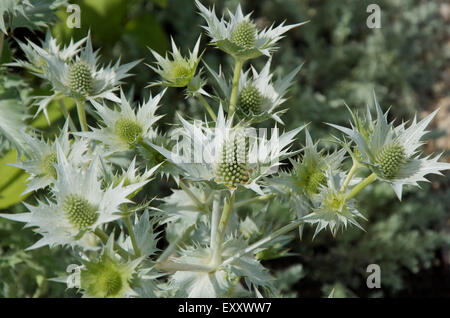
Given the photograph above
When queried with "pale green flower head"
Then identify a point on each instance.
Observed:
(108, 276)
(43, 158)
(81, 77)
(35, 63)
(259, 97)
(225, 157)
(330, 207)
(239, 36)
(123, 127)
(392, 153)
(309, 172)
(80, 205)
(177, 71)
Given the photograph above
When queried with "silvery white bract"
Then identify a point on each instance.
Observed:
(124, 127)
(239, 36)
(222, 281)
(81, 77)
(35, 63)
(43, 157)
(331, 208)
(392, 153)
(80, 205)
(31, 14)
(260, 156)
(176, 71)
(258, 96)
(12, 123)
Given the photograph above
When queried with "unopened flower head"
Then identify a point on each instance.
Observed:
(123, 127)
(177, 71)
(392, 153)
(108, 276)
(331, 208)
(239, 36)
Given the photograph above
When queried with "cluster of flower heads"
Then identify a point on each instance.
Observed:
(90, 177)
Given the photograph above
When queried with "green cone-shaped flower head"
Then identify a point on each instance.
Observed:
(390, 159)
(108, 277)
(250, 100)
(244, 35)
(80, 79)
(232, 167)
(79, 211)
(128, 130)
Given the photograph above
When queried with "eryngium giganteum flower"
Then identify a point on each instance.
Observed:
(392, 152)
(239, 36)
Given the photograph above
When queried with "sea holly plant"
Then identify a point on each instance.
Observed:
(90, 186)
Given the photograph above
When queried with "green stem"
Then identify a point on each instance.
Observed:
(127, 219)
(206, 105)
(65, 112)
(360, 186)
(220, 235)
(172, 246)
(261, 198)
(270, 237)
(349, 177)
(104, 237)
(82, 115)
(2, 41)
(194, 198)
(215, 220)
(235, 86)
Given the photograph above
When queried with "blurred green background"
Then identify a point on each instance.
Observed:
(406, 62)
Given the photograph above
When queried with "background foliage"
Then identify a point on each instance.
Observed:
(405, 62)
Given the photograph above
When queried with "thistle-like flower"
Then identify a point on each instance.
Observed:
(392, 153)
(331, 208)
(108, 276)
(81, 76)
(258, 96)
(178, 71)
(35, 63)
(239, 36)
(123, 127)
(80, 206)
(228, 157)
(309, 172)
(43, 158)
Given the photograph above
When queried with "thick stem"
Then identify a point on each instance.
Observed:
(220, 235)
(349, 177)
(207, 106)
(82, 115)
(215, 220)
(260, 198)
(172, 246)
(2, 41)
(104, 237)
(361, 186)
(265, 240)
(127, 219)
(194, 198)
(235, 86)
